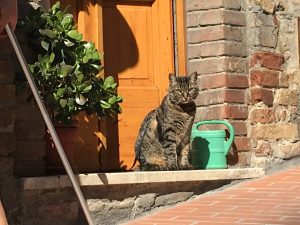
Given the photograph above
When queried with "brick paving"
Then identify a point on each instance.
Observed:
(272, 199)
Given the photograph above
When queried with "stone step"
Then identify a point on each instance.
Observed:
(97, 179)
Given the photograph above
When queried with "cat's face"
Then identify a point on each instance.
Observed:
(183, 89)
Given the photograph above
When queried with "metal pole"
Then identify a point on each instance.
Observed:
(49, 124)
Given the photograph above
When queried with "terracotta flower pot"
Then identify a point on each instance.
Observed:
(67, 135)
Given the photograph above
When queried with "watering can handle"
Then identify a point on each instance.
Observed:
(227, 143)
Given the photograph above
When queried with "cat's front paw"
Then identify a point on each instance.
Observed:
(173, 166)
(185, 166)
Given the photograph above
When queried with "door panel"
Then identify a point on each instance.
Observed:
(136, 38)
(138, 53)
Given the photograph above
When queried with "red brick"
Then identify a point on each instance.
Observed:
(214, 33)
(265, 78)
(228, 80)
(240, 127)
(221, 16)
(222, 112)
(217, 48)
(204, 5)
(261, 95)
(213, 97)
(262, 116)
(242, 143)
(217, 65)
(268, 60)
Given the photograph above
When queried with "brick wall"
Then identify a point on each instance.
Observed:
(246, 55)
(217, 51)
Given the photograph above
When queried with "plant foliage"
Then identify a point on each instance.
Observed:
(66, 70)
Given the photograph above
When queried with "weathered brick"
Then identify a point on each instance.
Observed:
(7, 93)
(265, 20)
(282, 114)
(287, 151)
(7, 119)
(239, 159)
(268, 36)
(268, 60)
(214, 33)
(229, 80)
(29, 168)
(275, 131)
(262, 116)
(261, 95)
(286, 97)
(28, 111)
(7, 143)
(222, 112)
(6, 71)
(216, 65)
(263, 149)
(265, 78)
(240, 127)
(221, 16)
(203, 4)
(219, 48)
(213, 97)
(29, 129)
(192, 20)
(29, 150)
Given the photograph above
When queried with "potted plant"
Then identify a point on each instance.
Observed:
(66, 69)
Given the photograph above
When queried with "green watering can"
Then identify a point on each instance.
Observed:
(210, 147)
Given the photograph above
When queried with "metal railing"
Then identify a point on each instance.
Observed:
(49, 124)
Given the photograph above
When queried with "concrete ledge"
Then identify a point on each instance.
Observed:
(93, 179)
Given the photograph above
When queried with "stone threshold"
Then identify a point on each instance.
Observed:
(121, 178)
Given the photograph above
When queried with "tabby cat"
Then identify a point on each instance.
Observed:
(163, 141)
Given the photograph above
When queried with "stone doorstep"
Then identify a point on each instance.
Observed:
(94, 179)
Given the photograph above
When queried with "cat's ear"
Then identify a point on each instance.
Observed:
(194, 76)
(172, 78)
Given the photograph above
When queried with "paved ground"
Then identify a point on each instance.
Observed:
(272, 199)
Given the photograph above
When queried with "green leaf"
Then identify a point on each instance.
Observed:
(80, 78)
(45, 45)
(67, 20)
(68, 43)
(74, 34)
(109, 81)
(80, 99)
(48, 33)
(63, 102)
(104, 104)
(120, 99)
(87, 89)
(51, 59)
(71, 102)
(65, 70)
(85, 59)
(60, 92)
(56, 6)
(112, 100)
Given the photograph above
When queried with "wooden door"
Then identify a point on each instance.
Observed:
(138, 52)
(136, 37)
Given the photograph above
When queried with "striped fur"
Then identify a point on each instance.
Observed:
(163, 141)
